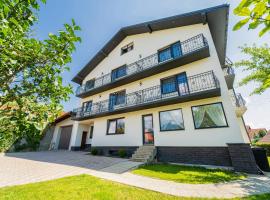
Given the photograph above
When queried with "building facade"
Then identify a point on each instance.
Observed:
(164, 83)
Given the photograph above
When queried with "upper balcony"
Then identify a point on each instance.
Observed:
(190, 50)
(200, 86)
(229, 73)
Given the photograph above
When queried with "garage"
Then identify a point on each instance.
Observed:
(65, 137)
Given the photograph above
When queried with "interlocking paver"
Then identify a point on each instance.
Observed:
(21, 168)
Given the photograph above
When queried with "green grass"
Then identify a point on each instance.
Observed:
(187, 174)
(84, 187)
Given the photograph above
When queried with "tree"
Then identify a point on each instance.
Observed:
(258, 64)
(30, 71)
(256, 12)
(258, 136)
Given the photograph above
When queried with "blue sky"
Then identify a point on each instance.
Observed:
(101, 19)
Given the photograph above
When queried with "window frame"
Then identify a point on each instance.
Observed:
(108, 126)
(84, 106)
(176, 83)
(91, 132)
(91, 80)
(129, 47)
(116, 73)
(227, 125)
(169, 77)
(171, 52)
(181, 129)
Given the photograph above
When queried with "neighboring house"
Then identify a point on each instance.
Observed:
(252, 132)
(265, 139)
(165, 84)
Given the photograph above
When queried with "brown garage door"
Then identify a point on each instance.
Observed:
(65, 137)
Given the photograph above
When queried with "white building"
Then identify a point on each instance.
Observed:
(164, 83)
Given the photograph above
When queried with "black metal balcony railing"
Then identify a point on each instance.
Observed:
(187, 47)
(228, 71)
(238, 100)
(192, 86)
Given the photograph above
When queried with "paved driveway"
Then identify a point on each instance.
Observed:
(21, 168)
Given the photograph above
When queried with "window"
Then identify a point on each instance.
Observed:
(91, 132)
(209, 116)
(127, 48)
(172, 51)
(117, 98)
(87, 106)
(177, 83)
(168, 85)
(119, 72)
(116, 126)
(89, 84)
(171, 120)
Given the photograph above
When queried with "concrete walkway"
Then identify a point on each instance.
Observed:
(21, 168)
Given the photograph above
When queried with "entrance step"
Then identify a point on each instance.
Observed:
(145, 154)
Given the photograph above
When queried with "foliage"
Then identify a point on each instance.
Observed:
(187, 174)
(94, 151)
(264, 145)
(258, 64)
(258, 136)
(30, 71)
(256, 13)
(122, 153)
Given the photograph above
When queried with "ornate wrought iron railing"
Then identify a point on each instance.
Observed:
(192, 85)
(187, 47)
(237, 99)
(228, 71)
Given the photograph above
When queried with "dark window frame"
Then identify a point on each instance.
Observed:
(127, 48)
(91, 132)
(116, 72)
(176, 83)
(108, 126)
(171, 51)
(92, 81)
(181, 129)
(227, 125)
(84, 106)
(143, 124)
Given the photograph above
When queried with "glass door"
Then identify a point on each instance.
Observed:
(182, 82)
(148, 131)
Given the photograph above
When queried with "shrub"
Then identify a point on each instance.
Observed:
(266, 146)
(94, 151)
(122, 153)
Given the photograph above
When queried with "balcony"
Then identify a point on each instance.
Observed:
(229, 73)
(239, 103)
(200, 86)
(193, 49)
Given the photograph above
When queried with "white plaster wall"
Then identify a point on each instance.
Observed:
(147, 44)
(57, 130)
(76, 136)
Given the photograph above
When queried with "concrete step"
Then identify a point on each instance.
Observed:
(144, 154)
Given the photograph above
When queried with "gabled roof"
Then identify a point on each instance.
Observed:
(216, 17)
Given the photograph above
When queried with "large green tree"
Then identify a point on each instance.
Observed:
(31, 87)
(258, 64)
(256, 13)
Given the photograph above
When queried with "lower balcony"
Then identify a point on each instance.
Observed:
(200, 86)
(239, 103)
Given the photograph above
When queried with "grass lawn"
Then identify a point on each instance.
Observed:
(84, 187)
(187, 174)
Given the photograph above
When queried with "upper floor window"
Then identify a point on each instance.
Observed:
(89, 84)
(87, 106)
(177, 83)
(119, 72)
(117, 98)
(170, 52)
(127, 48)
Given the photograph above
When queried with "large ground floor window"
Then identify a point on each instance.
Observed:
(116, 126)
(171, 120)
(209, 116)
